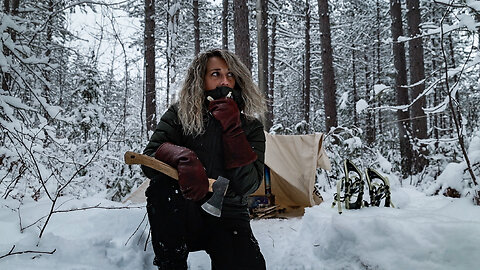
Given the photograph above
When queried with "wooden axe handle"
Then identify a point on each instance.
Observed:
(136, 158)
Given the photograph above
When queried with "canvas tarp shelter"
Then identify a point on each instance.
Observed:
(293, 160)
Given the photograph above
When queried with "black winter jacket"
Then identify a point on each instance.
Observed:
(209, 149)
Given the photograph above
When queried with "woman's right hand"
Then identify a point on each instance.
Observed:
(192, 177)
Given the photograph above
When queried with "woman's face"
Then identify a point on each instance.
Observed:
(218, 74)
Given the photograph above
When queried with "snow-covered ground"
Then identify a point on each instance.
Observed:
(422, 232)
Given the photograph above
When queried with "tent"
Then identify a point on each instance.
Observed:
(293, 160)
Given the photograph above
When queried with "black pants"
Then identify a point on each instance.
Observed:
(179, 226)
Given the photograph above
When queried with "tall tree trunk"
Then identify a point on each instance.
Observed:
(172, 38)
(196, 27)
(403, 125)
(6, 6)
(241, 32)
(328, 74)
(12, 10)
(225, 25)
(354, 87)
(306, 103)
(48, 52)
(370, 122)
(262, 53)
(355, 95)
(270, 98)
(149, 44)
(379, 68)
(168, 53)
(417, 75)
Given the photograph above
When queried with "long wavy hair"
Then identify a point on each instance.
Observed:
(191, 109)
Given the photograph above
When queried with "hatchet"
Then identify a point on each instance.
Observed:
(218, 187)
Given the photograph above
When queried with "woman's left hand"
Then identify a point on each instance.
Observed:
(226, 111)
(236, 148)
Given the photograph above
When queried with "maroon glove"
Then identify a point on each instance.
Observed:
(192, 177)
(236, 148)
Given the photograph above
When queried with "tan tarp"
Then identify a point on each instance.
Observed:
(293, 160)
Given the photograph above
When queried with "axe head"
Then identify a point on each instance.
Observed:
(214, 205)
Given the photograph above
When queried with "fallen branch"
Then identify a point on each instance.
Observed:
(10, 253)
(77, 209)
(97, 207)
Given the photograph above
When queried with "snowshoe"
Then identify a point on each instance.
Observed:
(378, 190)
(351, 186)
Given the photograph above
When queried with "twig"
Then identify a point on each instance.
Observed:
(26, 251)
(98, 207)
(136, 230)
(146, 240)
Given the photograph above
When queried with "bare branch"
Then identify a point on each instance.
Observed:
(80, 2)
(98, 207)
(10, 253)
(59, 190)
(450, 103)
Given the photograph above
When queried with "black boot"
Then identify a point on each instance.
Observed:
(171, 259)
(171, 265)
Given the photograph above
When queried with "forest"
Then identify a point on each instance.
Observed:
(384, 80)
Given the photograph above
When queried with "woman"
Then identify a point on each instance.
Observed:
(211, 131)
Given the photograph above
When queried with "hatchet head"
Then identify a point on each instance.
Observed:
(214, 205)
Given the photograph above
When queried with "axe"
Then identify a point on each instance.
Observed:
(219, 187)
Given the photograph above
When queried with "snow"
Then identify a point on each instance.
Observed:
(361, 105)
(467, 21)
(455, 174)
(379, 88)
(422, 232)
(473, 4)
(343, 100)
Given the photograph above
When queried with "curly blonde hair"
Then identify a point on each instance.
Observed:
(191, 109)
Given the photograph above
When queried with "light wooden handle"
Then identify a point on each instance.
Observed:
(136, 158)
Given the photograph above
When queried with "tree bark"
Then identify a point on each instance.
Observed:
(379, 68)
(262, 53)
(48, 52)
(307, 83)
(149, 44)
(241, 32)
(196, 27)
(417, 75)
(403, 125)
(225, 25)
(370, 121)
(272, 71)
(12, 10)
(354, 87)
(328, 74)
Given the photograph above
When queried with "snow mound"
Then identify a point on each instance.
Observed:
(422, 232)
